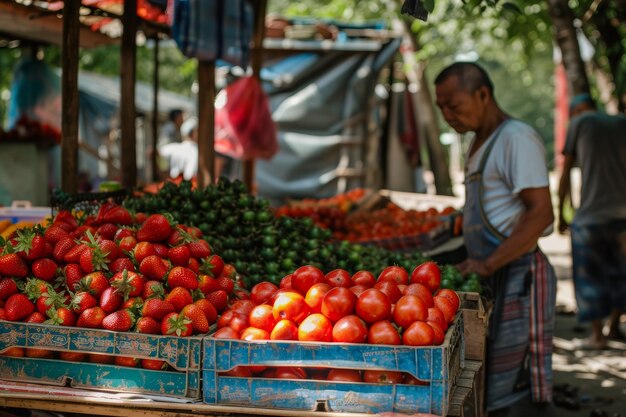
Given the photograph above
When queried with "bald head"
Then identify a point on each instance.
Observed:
(471, 76)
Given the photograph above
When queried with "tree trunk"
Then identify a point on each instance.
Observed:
(565, 36)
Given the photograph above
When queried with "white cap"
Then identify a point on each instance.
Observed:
(188, 126)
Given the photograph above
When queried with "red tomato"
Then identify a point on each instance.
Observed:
(350, 329)
(315, 328)
(126, 361)
(358, 289)
(373, 305)
(262, 292)
(409, 308)
(291, 306)
(337, 303)
(268, 373)
(365, 278)
(262, 317)
(428, 274)
(382, 377)
(73, 356)
(286, 282)
(439, 334)
(345, 375)
(409, 379)
(390, 289)
(154, 364)
(284, 330)
(421, 291)
(254, 333)
(226, 333)
(395, 274)
(237, 321)
(339, 278)
(238, 371)
(304, 277)
(452, 296)
(435, 315)
(418, 334)
(318, 374)
(446, 307)
(290, 372)
(383, 333)
(243, 306)
(315, 295)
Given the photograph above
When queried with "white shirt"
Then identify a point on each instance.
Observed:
(183, 158)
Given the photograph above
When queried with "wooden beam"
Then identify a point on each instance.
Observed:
(206, 123)
(127, 101)
(155, 112)
(69, 91)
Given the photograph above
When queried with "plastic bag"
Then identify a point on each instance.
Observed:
(244, 128)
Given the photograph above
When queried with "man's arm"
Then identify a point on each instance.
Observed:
(537, 216)
(565, 190)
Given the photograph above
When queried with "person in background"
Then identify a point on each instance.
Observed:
(507, 209)
(596, 142)
(171, 130)
(183, 156)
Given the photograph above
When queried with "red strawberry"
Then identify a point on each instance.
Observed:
(219, 299)
(35, 288)
(35, 317)
(3, 316)
(153, 364)
(153, 289)
(194, 265)
(62, 247)
(126, 245)
(123, 232)
(206, 284)
(179, 297)
(199, 249)
(209, 309)
(81, 301)
(140, 217)
(156, 308)
(109, 249)
(126, 361)
(128, 283)
(118, 215)
(49, 300)
(103, 209)
(148, 325)
(92, 260)
(66, 216)
(176, 324)
(44, 269)
(61, 316)
(177, 237)
(91, 318)
(229, 271)
(213, 266)
(154, 268)
(180, 276)
(110, 300)
(49, 250)
(194, 232)
(8, 287)
(121, 264)
(101, 358)
(161, 250)
(199, 321)
(13, 265)
(17, 307)
(73, 274)
(82, 231)
(179, 255)
(73, 255)
(30, 244)
(107, 231)
(95, 283)
(142, 250)
(156, 228)
(226, 284)
(54, 234)
(119, 321)
(133, 304)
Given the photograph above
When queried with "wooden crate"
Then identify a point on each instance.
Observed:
(476, 319)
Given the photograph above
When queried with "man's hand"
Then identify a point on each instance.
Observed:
(563, 225)
(474, 265)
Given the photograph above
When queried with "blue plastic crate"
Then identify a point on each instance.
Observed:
(437, 365)
(183, 354)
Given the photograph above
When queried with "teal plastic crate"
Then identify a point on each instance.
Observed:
(182, 353)
(437, 365)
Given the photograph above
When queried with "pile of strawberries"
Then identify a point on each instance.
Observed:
(114, 271)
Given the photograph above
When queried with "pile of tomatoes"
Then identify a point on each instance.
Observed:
(395, 308)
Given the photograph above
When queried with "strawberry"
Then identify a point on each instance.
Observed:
(212, 266)
(179, 255)
(81, 301)
(30, 244)
(209, 309)
(65, 216)
(39, 353)
(35, 288)
(126, 245)
(229, 271)
(154, 268)
(154, 364)
(8, 287)
(73, 274)
(142, 250)
(54, 234)
(107, 231)
(140, 217)
(110, 300)
(91, 318)
(35, 317)
(199, 249)
(148, 325)
(17, 307)
(73, 255)
(206, 284)
(194, 232)
(13, 265)
(109, 249)
(62, 247)
(118, 215)
(44, 269)
(3, 314)
(105, 206)
(123, 232)
(82, 231)
(194, 265)
(128, 283)
(161, 250)
(49, 250)
(180, 276)
(101, 358)
(92, 260)
(95, 283)
(156, 228)
(176, 324)
(121, 264)
(133, 304)
(219, 299)
(153, 289)
(156, 308)
(179, 297)
(199, 321)
(126, 361)
(49, 300)
(61, 316)
(225, 284)
(73, 356)
(119, 321)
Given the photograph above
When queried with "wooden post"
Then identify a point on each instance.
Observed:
(127, 103)
(155, 112)
(256, 63)
(69, 91)
(206, 123)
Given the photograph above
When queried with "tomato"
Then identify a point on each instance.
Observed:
(254, 333)
(409, 309)
(337, 303)
(315, 328)
(238, 371)
(452, 296)
(390, 289)
(291, 306)
(418, 334)
(126, 361)
(226, 333)
(290, 372)
(358, 289)
(439, 334)
(262, 292)
(383, 333)
(319, 374)
(365, 278)
(345, 375)
(285, 282)
(304, 277)
(262, 317)
(16, 352)
(409, 379)
(382, 377)
(237, 321)
(268, 373)
(421, 291)
(350, 329)
(243, 306)
(428, 274)
(73, 356)
(339, 278)
(435, 315)
(373, 305)
(315, 295)
(284, 330)
(446, 307)
(100, 358)
(153, 364)
(395, 274)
